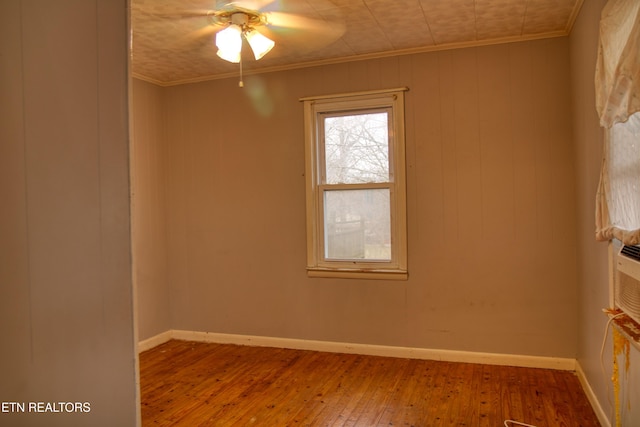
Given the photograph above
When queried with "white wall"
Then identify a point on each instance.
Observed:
(148, 209)
(592, 256)
(491, 206)
(65, 259)
(593, 278)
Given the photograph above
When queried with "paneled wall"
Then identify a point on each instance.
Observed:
(148, 209)
(491, 206)
(593, 277)
(592, 266)
(66, 304)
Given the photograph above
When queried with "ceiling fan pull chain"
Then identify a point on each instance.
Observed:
(240, 83)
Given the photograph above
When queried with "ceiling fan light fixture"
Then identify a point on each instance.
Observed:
(260, 44)
(229, 43)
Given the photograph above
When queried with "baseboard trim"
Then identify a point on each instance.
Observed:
(593, 400)
(155, 341)
(564, 364)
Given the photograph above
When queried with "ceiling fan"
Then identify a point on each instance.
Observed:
(263, 24)
(239, 22)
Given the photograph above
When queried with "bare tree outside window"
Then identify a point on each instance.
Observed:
(356, 148)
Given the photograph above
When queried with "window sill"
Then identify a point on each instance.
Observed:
(358, 274)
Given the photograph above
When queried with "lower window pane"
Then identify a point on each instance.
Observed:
(357, 225)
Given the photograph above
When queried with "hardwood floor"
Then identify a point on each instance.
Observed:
(203, 384)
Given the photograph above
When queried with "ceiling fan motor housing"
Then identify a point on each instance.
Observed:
(240, 18)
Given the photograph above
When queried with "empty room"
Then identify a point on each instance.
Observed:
(363, 213)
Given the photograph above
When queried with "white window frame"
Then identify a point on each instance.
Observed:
(314, 109)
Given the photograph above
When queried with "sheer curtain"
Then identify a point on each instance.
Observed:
(618, 104)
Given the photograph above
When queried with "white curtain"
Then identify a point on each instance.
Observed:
(618, 104)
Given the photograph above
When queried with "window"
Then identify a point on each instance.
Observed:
(618, 105)
(355, 175)
(624, 173)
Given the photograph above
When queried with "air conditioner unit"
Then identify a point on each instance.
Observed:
(627, 281)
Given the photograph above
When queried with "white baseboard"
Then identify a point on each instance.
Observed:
(565, 364)
(155, 341)
(595, 404)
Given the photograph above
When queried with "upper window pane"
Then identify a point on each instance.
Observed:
(356, 148)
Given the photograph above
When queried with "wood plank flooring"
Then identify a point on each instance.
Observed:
(203, 384)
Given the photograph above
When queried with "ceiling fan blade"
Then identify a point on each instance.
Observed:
(167, 13)
(288, 20)
(243, 4)
(196, 35)
(325, 29)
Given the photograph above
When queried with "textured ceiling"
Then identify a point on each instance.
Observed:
(173, 40)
